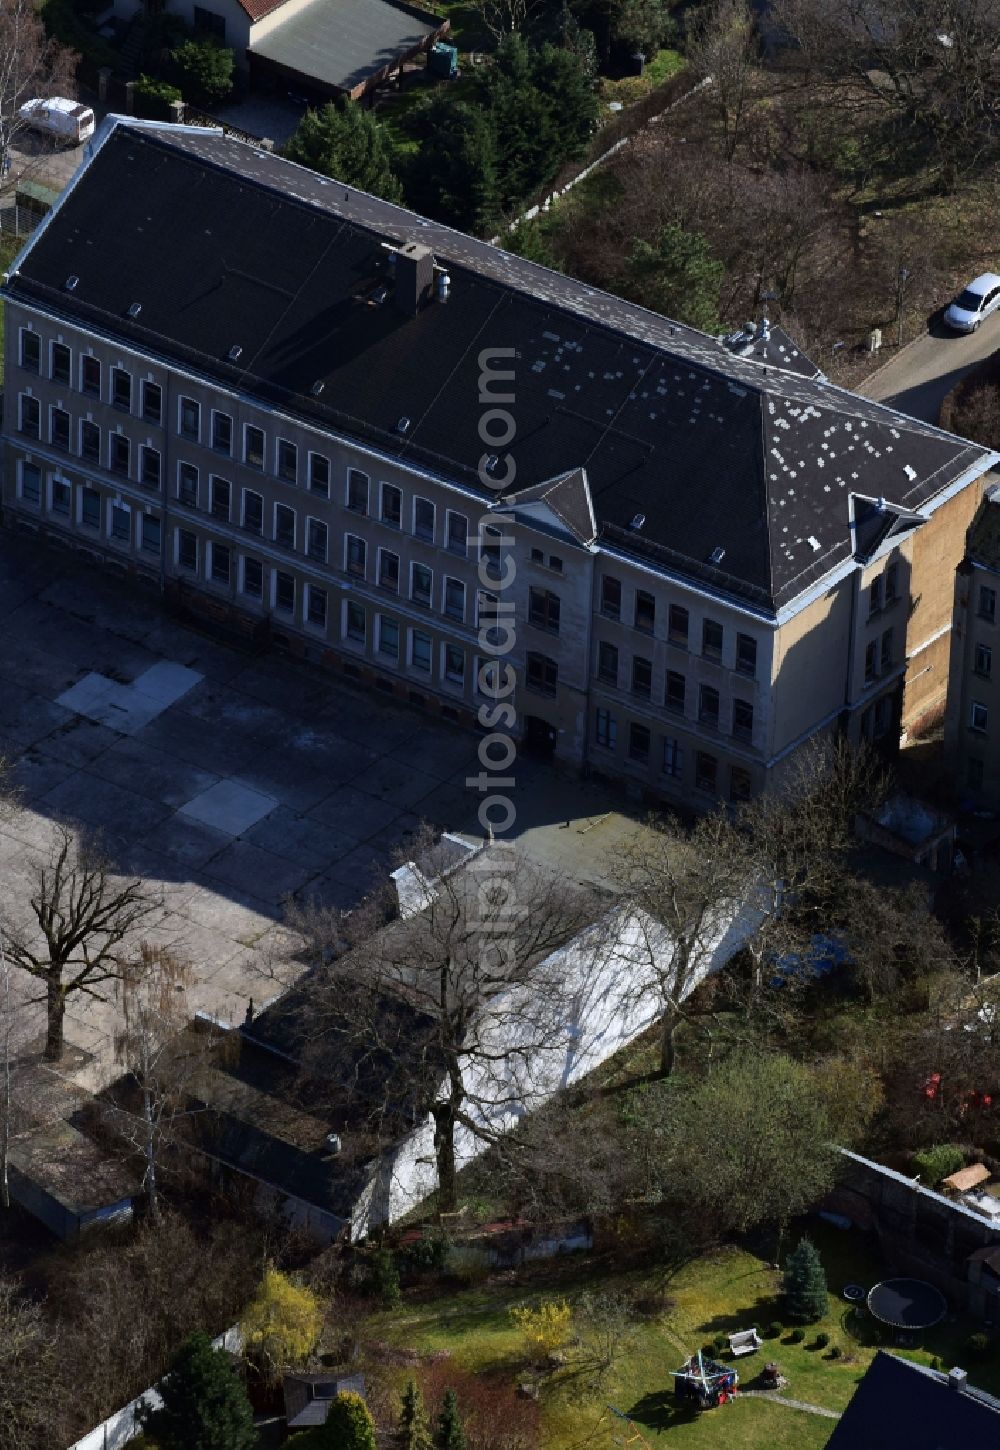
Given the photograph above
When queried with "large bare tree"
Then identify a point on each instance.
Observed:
(722, 48)
(31, 65)
(457, 998)
(84, 915)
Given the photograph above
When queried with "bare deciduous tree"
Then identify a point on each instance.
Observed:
(505, 17)
(84, 914)
(722, 47)
(31, 65)
(28, 1370)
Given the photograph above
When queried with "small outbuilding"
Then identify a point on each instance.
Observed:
(967, 1178)
(308, 1397)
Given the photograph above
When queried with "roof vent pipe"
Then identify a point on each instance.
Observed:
(957, 1378)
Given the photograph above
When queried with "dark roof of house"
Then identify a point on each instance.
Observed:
(308, 1397)
(741, 471)
(343, 43)
(257, 9)
(900, 1405)
(769, 343)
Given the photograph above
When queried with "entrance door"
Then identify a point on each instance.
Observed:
(539, 737)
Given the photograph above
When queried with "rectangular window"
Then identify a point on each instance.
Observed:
(31, 416)
(392, 505)
(152, 403)
(457, 533)
(740, 786)
(319, 475)
(454, 598)
(355, 621)
(222, 433)
(711, 639)
(288, 461)
(253, 447)
(987, 603)
(284, 526)
(121, 523)
(886, 651)
(357, 491)
(316, 606)
(187, 484)
(638, 742)
(388, 637)
(871, 655)
(743, 720)
(90, 376)
(60, 363)
(673, 757)
(31, 483)
(253, 578)
(152, 534)
(423, 519)
(678, 622)
(490, 542)
(706, 769)
(189, 425)
(542, 674)
(357, 556)
(31, 351)
(645, 611)
(90, 507)
(121, 389)
(708, 706)
(891, 583)
(454, 664)
(221, 498)
(746, 655)
(221, 563)
(420, 651)
(388, 570)
(676, 691)
(875, 596)
(253, 511)
(606, 732)
(421, 585)
(544, 609)
(284, 592)
(555, 563)
(90, 442)
(611, 597)
(149, 466)
(59, 428)
(121, 454)
(607, 663)
(316, 540)
(979, 716)
(187, 549)
(642, 678)
(984, 660)
(62, 496)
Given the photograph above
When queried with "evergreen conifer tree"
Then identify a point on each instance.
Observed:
(205, 1406)
(805, 1283)
(345, 141)
(450, 1434)
(414, 1430)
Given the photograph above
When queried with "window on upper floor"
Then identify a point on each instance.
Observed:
(357, 491)
(152, 403)
(149, 466)
(871, 660)
(746, 655)
(254, 445)
(222, 433)
(542, 673)
(742, 719)
(90, 507)
(420, 650)
(544, 609)
(31, 351)
(740, 784)
(611, 596)
(355, 625)
(121, 522)
(711, 639)
(891, 583)
(356, 556)
(121, 389)
(979, 716)
(423, 519)
(673, 757)
(885, 654)
(388, 570)
(284, 591)
(706, 772)
(316, 540)
(454, 598)
(645, 611)
(454, 664)
(150, 534)
(187, 484)
(30, 416)
(984, 661)
(607, 662)
(875, 596)
(90, 376)
(62, 497)
(708, 706)
(388, 637)
(189, 419)
(60, 363)
(642, 677)
(421, 585)
(678, 624)
(59, 428)
(974, 774)
(220, 568)
(316, 606)
(31, 483)
(284, 526)
(638, 742)
(221, 496)
(253, 578)
(187, 549)
(319, 474)
(253, 511)
(90, 441)
(457, 533)
(392, 505)
(987, 607)
(288, 461)
(676, 692)
(606, 730)
(121, 454)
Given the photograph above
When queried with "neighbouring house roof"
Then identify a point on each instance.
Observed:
(257, 9)
(308, 1396)
(343, 43)
(967, 1178)
(742, 472)
(900, 1405)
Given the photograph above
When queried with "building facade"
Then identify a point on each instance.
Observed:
(435, 468)
(972, 726)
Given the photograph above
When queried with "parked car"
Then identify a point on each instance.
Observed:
(58, 117)
(979, 299)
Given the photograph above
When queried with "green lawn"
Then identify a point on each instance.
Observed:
(723, 1291)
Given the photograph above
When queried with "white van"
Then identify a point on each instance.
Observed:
(58, 117)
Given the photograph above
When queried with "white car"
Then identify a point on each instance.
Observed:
(59, 117)
(979, 299)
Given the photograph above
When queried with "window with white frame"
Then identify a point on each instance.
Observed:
(187, 484)
(90, 376)
(606, 730)
(253, 511)
(284, 526)
(151, 534)
(31, 351)
(220, 498)
(288, 461)
(90, 441)
(90, 507)
(222, 433)
(30, 486)
(421, 585)
(187, 549)
(420, 651)
(253, 577)
(355, 623)
(388, 570)
(316, 540)
(355, 556)
(979, 716)
(457, 533)
(357, 491)
(59, 428)
(319, 474)
(316, 606)
(220, 562)
(454, 664)
(984, 661)
(673, 757)
(60, 363)
(423, 519)
(388, 637)
(284, 592)
(392, 505)
(189, 419)
(30, 416)
(454, 599)
(120, 459)
(121, 389)
(149, 466)
(121, 521)
(61, 497)
(253, 447)
(152, 403)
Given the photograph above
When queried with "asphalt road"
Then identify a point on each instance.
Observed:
(920, 377)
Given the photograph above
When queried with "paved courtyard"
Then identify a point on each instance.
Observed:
(226, 780)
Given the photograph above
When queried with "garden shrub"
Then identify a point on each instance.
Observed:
(204, 70)
(822, 1340)
(796, 1336)
(720, 1342)
(977, 1346)
(775, 1329)
(938, 1162)
(385, 1278)
(836, 1352)
(544, 1329)
(424, 1255)
(153, 98)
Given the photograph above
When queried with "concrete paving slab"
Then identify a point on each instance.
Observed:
(352, 811)
(102, 806)
(200, 742)
(299, 839)
(26, 717)
(33, 775)
(139, 767)
(238, 915)
(189, 844)
(166, 682)
(77, 742)
(362, 867)
(229, 806)
(260, 873)
(284, 775)
(109, 703)
(286, 685)
(393, 780)
(437, 755)
(330, 890)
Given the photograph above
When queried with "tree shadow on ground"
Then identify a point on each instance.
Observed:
(659, 1411)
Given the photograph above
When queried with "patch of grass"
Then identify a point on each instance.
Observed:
(629, 89)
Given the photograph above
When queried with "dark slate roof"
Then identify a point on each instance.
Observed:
(900, 1405)
(224, 245)
(768, 343)
(308, 1397)
(343, 43)
(569, 499)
